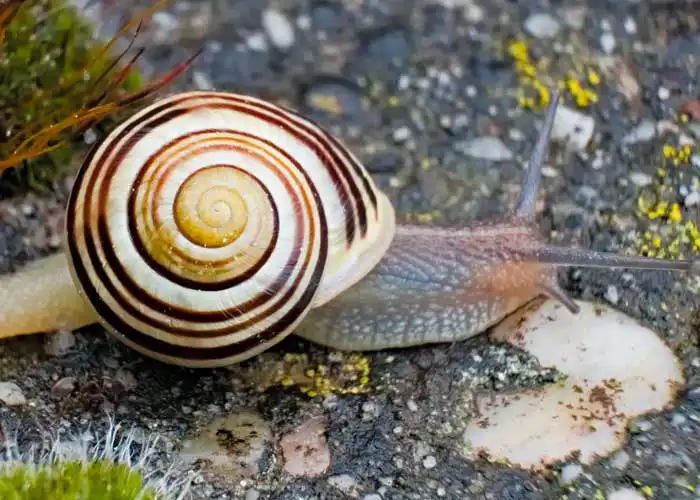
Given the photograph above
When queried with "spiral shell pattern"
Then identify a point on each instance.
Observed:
(203, 228)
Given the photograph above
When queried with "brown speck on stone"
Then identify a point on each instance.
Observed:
(305, 449)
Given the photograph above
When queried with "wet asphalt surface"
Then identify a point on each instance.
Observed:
(407, 85)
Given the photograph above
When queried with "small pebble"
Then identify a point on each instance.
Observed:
(345, 483)
(201, 80)
(256, 42)
(278, 28)
(401, 134)
(542, 25)
(549, 172)
(372, 496)
(487, 148)
(678, 419)
(252, 495)
(663, 93)
(63, 387)
(611, 294)
(305, 449)
(692, 199)
(641, 179)
(569, 473)
(574, 17)
(59, 344)
(607, 42)
(586, 196)
(620, 460)
(429, 462)
(89, 137)
(11, 394)
(644, 132)
(641, 426)
(626, 494)
(574, 127)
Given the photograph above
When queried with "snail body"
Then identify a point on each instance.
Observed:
(209, 226)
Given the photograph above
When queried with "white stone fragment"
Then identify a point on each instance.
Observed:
(278, 28)
(573, 127)
(616, 368)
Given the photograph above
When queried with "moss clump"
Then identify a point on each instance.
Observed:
(112, 465)
(74, 480)
(48, 67)
(57, 81)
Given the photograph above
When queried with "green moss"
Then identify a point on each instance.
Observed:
(56, 80)
(112, 464)
(74, 480)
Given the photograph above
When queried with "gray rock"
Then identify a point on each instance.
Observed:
(11, 394)
(643, 132)
(542, 25)
(487, 148)
(278, 28)
(607, 42)
(59, 344)
(569, 473)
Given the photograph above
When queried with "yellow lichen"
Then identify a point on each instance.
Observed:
(341, 373)
(534, 82)
(672, 232)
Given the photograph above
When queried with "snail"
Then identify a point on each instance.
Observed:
(209, 225)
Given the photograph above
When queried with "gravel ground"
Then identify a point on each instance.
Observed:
(429, 99)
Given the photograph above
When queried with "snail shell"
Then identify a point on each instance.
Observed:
(202, 229)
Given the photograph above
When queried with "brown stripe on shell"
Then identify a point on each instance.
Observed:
(104, 237)
(181, 280)
(354, 204)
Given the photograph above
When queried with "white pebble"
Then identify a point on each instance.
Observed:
(201, 80)
(165, 20)
(692, 199)
(630, 26)
(11, 394)
(620, 460)
(607, 42)
(641, 179)
(542, 25)
(304, 22)
(278, 29)
(611, 294)
(574, 127)
(59, 344)
(401, 134)
(569, 473)
(256, 42)
(487, 148)
(429, 462)
(663, 93)
(643, 132)
(549, 172)
(89, 137)
(626, 494)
